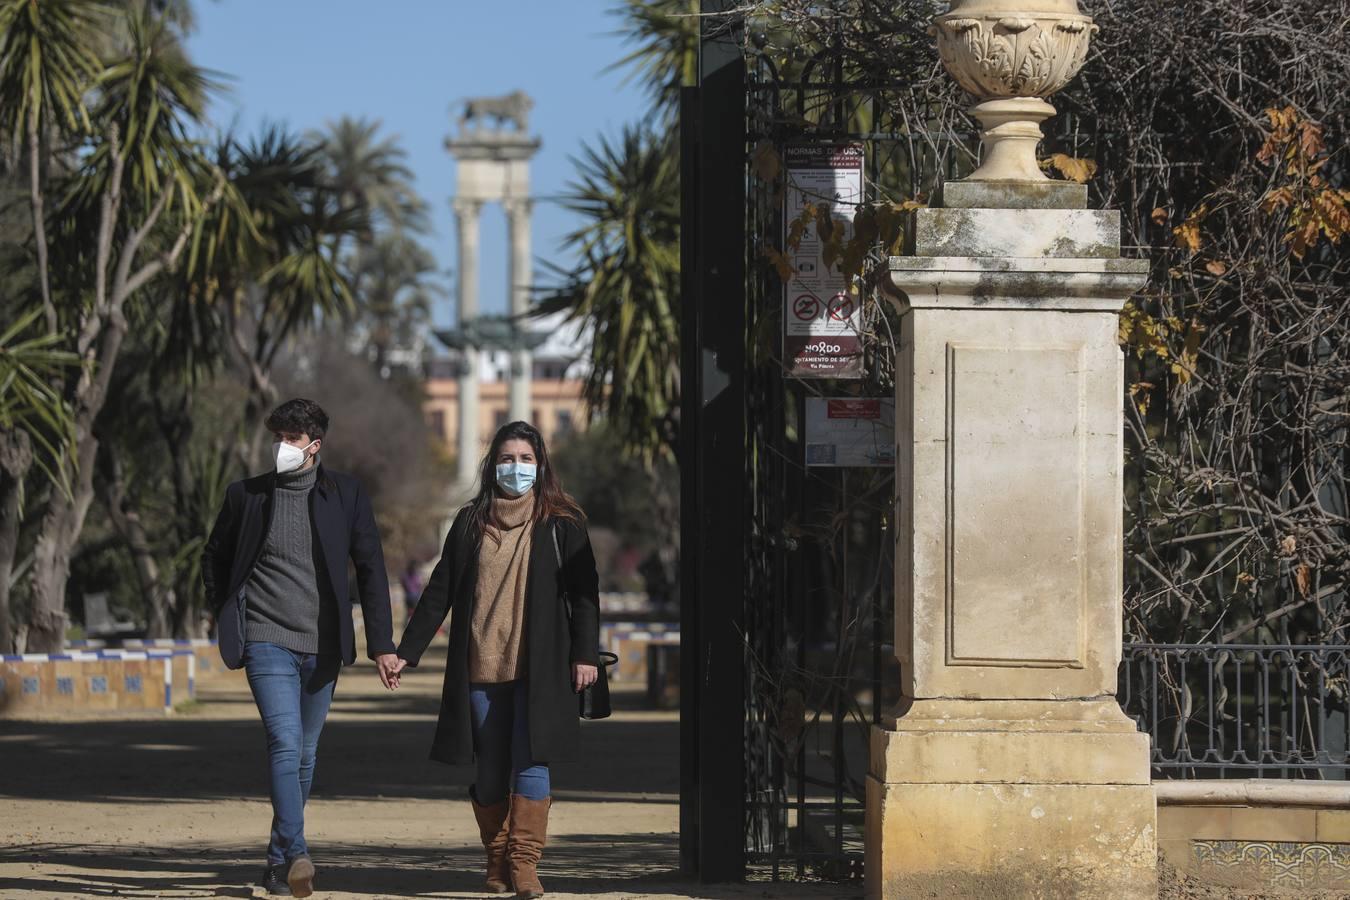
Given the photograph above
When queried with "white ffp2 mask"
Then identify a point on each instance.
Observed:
(288, 456)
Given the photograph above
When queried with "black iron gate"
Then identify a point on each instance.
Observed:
(789, 570)
(788, 573)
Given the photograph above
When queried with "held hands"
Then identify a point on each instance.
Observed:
(583, 676)
(389, 666)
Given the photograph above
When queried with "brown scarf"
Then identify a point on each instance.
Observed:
(497, 629)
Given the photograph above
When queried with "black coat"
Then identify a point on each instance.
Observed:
(340, 514)
(551, 643)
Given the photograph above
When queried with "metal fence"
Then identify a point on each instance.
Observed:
(1241, 710)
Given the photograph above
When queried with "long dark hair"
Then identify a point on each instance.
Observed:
(550, 500)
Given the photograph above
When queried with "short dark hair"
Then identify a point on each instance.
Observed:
(298, 416)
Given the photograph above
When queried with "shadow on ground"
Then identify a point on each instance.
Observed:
(619, 864)
(374, 745)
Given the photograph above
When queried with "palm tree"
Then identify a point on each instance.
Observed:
(47, 63)
(370, 173)
(395, 295)
(386, 266)
(665, 59)
(128, 212)
(271, 267)
(625, 285)
(35, 427)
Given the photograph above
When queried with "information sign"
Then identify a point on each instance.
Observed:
(850, 431)
(822, 318)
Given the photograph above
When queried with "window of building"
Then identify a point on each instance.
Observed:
(436, 422)
(564, 421)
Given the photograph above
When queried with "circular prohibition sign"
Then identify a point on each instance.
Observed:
(841, 307)
(806, 307)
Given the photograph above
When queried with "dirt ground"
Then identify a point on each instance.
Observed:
(177, 806)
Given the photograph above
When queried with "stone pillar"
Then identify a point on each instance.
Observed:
(1008, 768)
(520, 278)
(466, 217)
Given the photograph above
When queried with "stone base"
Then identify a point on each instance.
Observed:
(1017, 233)
(1013, 195)
(1002, 798)
(991, 841)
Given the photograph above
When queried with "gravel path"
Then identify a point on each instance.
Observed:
(177, 806)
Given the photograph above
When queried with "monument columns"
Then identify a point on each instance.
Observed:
(520, 279)
(466, 217)
(1008, 768)
(492, 166)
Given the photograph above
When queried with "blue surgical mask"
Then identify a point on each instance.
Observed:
(515, 477)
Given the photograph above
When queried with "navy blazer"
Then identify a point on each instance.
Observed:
(344, 523)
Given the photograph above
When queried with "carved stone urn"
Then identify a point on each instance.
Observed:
(1011, 54)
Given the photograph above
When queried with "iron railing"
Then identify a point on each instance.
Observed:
(1241, 710)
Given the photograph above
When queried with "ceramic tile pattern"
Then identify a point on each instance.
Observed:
(1281, 864)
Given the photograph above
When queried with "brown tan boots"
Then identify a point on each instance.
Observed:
(492, 828)
(528, 830)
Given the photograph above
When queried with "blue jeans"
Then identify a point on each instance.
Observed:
(501, 740)
(293, 692)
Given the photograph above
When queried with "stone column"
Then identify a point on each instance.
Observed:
(1008, 768)
(519, 278)
(466, 217)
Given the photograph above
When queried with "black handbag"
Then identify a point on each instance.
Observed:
(593, 702)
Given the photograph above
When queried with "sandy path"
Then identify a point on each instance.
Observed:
(177, 807)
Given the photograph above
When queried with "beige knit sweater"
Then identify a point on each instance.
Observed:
(498, 626)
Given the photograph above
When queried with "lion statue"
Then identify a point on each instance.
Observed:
(514, 107)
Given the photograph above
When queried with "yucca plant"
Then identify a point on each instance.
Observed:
(128, 210)
(35, 427)
(625, 286)
(47, 64)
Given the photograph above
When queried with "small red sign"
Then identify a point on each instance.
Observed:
(854, 409)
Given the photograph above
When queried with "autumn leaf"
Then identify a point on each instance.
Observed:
(1144, 333)
(780, 262)
(1303, 578)
(1216, 267)
(829, 253)
(1280, 198)
(797, 228)
(1185, 366)
(824, 222)
(1188, 232)
(1141, 393)
(1288, 544)
(764, 161)
(1159, 216)
(1071, 167)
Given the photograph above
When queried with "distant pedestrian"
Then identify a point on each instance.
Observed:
(411, 582)
(517, 656)
(275, 571)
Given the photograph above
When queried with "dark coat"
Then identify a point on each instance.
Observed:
(551, 644)
(340, 514)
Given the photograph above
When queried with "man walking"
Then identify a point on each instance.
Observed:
(275, 571)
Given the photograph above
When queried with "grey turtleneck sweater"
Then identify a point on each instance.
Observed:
(288, 601)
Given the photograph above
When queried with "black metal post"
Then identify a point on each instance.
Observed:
(690, 388)
(713, 464)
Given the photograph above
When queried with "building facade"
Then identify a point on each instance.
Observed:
(558, 377)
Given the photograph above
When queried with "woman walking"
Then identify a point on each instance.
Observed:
(518, 653)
